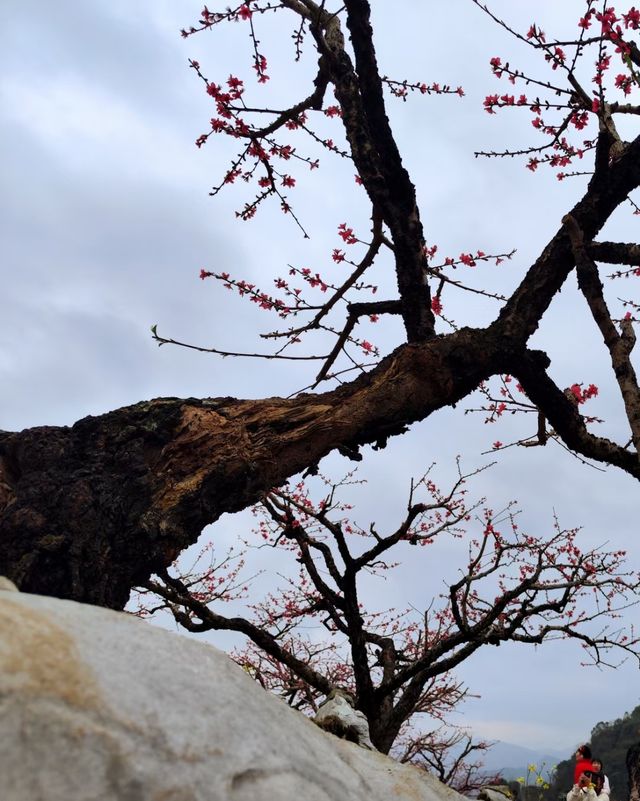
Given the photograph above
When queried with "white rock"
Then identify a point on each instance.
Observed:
(8, 585)
(338, 709)
(99, 706)
(493, 793)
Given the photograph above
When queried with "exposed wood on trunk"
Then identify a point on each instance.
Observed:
(88, 511)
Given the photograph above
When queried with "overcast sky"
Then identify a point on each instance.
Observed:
(106, 223)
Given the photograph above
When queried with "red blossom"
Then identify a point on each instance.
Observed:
(231, 176)
(293, 125)
(580, 120)
(536, 33)
(585, 22)
(632, 18)
(347, 234)
(489, 102)
(260, 66)
(624, 82)
(582, 395)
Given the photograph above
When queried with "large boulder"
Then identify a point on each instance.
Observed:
(96, 705)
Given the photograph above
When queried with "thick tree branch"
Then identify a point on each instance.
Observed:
(177, 595)
(563, 415)
(614, 252)
(375, 154)
(90, 511)
(619, 345)
(521, 315)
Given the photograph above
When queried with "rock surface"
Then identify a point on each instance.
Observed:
(337, 715)
(99, 706)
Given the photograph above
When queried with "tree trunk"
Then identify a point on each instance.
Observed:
(90, 511)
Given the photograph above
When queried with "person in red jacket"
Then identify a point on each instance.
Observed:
(583, 762)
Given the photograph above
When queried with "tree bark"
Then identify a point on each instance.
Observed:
(88, 512)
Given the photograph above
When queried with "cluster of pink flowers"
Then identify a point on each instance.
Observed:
(346, 234)
(556, 57)
(582, 395)
(255, 295)
(469, 260)
(577, 111)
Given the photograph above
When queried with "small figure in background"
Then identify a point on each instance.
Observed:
(583, 762)
(588, 788)
(599, 768)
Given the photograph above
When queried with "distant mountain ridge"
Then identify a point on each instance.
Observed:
(511, 761)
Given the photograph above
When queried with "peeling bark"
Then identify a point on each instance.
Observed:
(89, 511)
